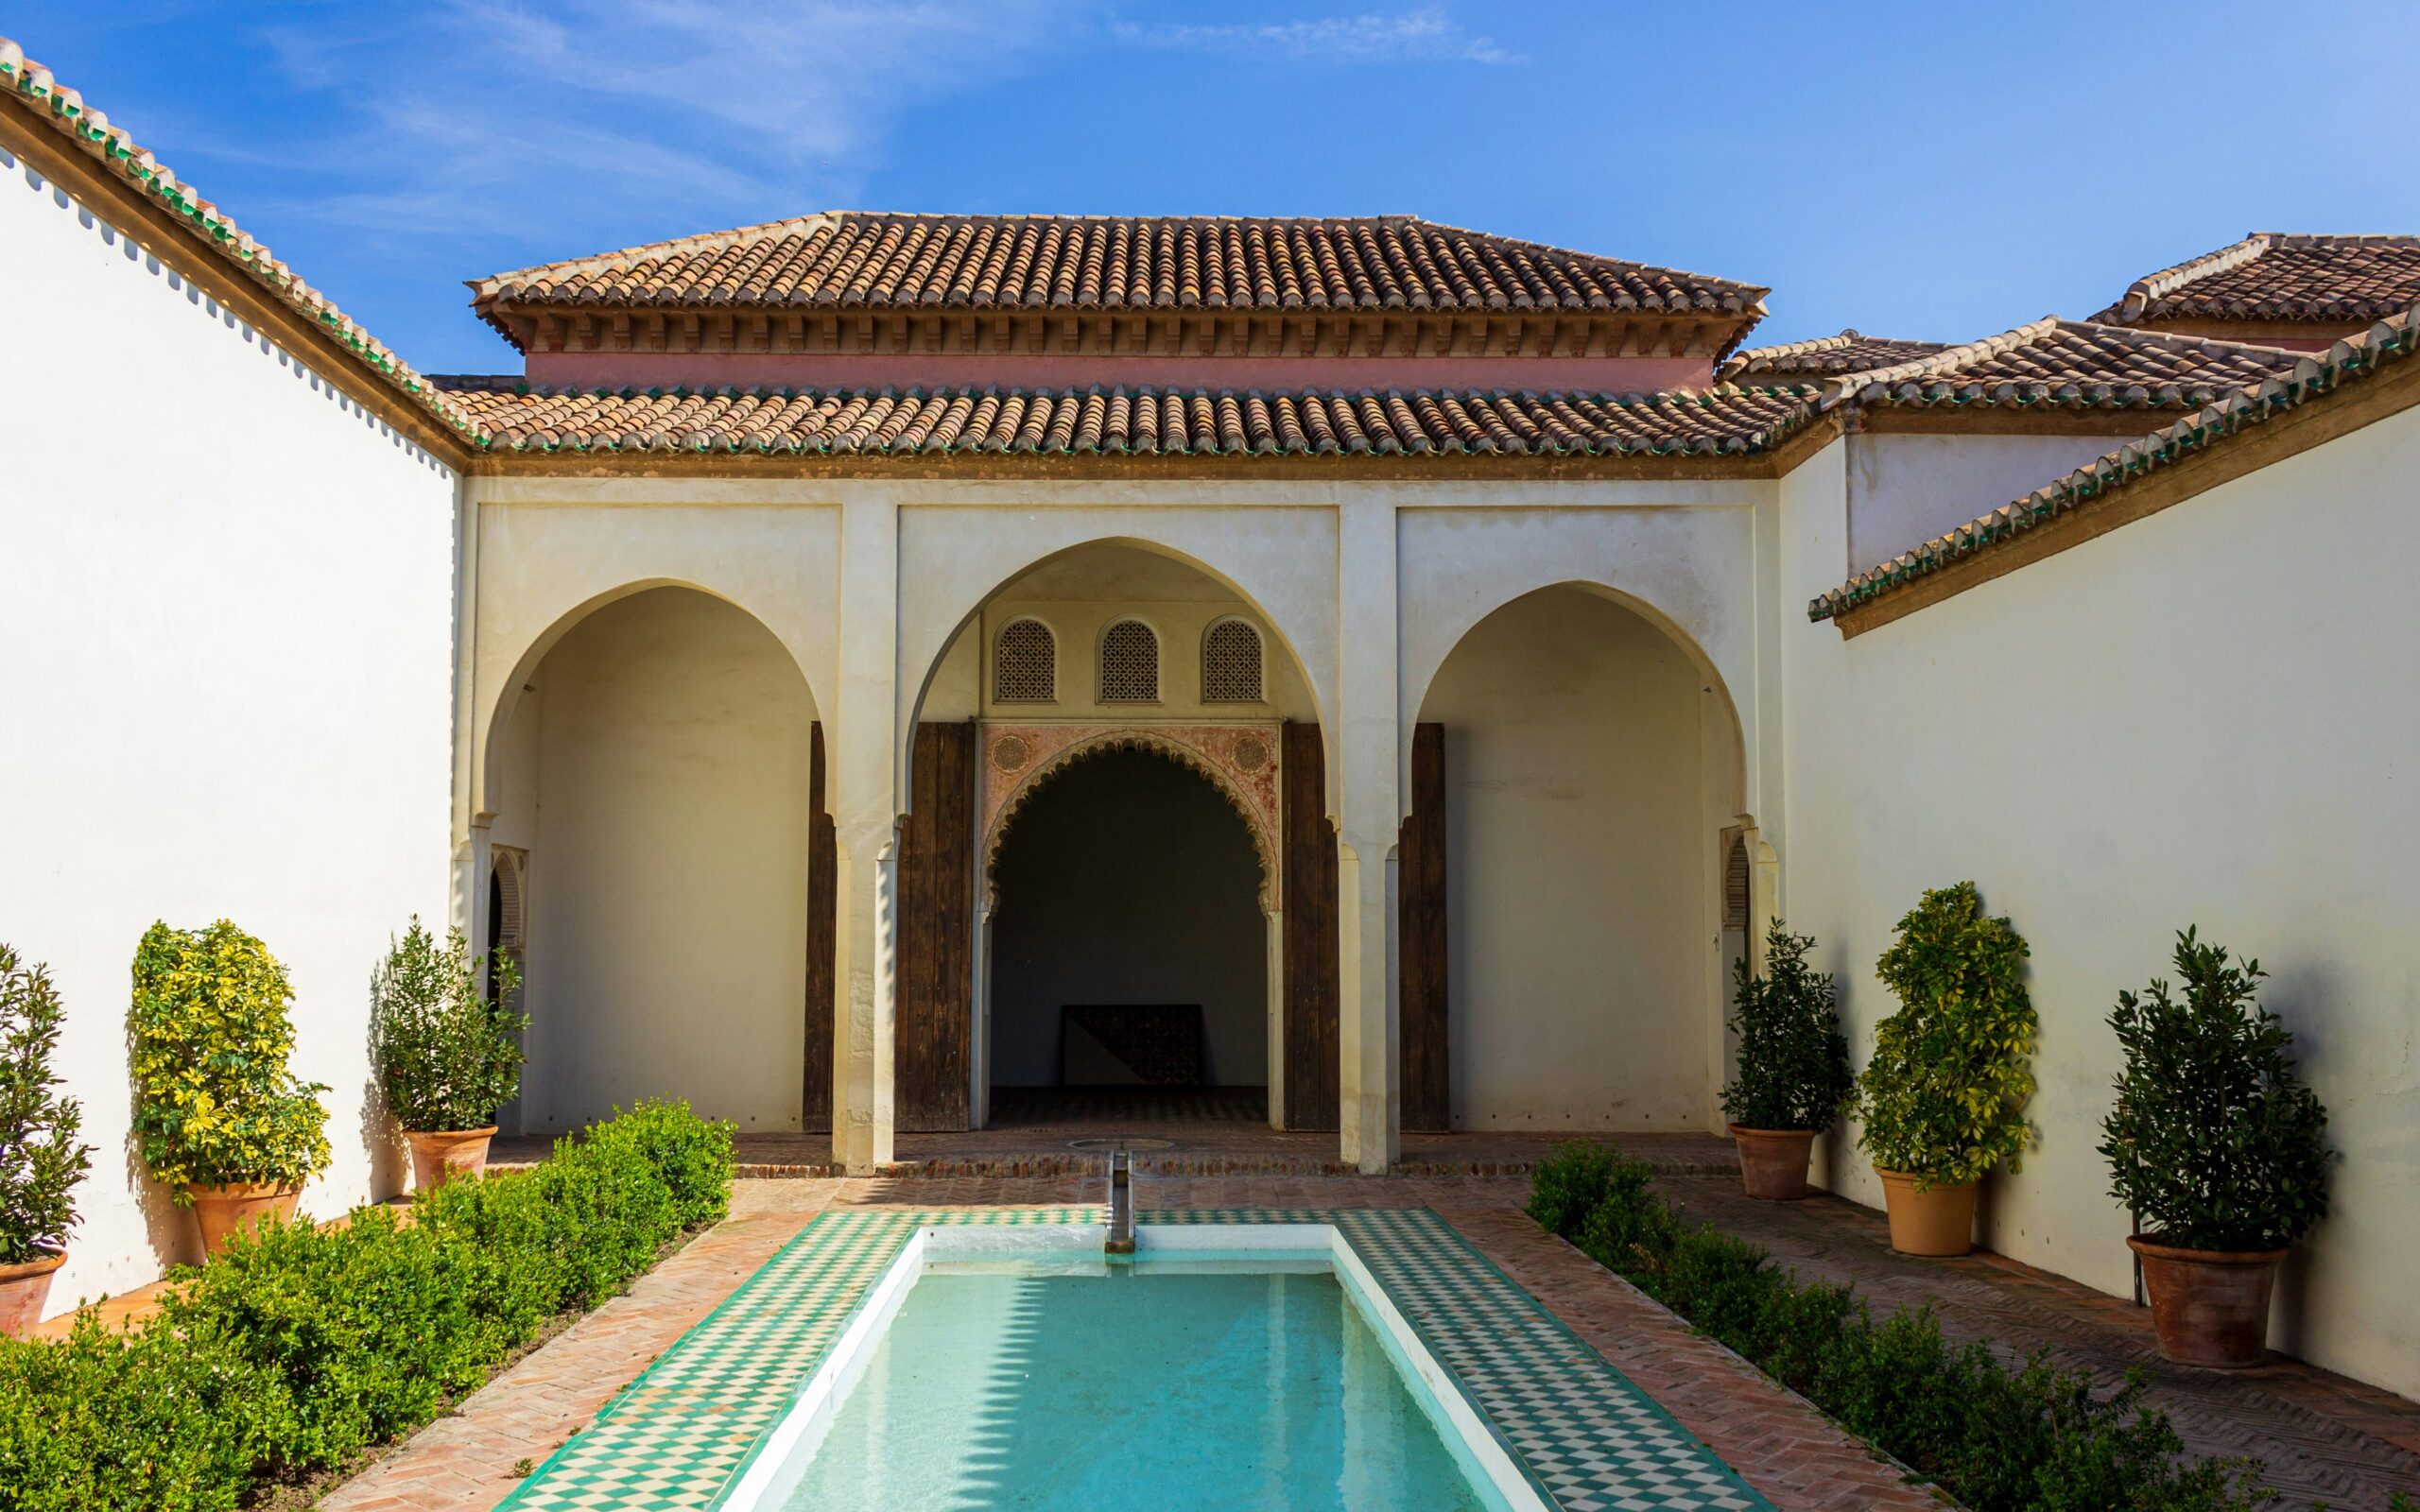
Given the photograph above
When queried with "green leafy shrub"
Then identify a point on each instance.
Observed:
(1793, 1062)
(1943, 1097)
(2031, 1439)
(447, 1054)
(301, 1347)
(40, 1158)
(210, 1032)
(2214, 1141)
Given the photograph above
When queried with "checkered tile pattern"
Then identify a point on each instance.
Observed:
(679, 1435)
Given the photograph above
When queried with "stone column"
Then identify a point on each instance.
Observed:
(863, 747)
(1367, 797)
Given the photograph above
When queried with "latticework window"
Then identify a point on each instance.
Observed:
(1130, 663)
(1025, 663)
(1231, 663)
(1735, 884)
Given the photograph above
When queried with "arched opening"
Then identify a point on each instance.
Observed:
(1592, 791)
(1002, 746)
(1129, 963)
(653, 770)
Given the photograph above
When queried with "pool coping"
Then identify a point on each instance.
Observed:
(682, 1434)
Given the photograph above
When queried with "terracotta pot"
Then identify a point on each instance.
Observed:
(2210, 1307)
(24, 1289)
(1773, 1162)
(1939, 1221)
(439, 1155)
(223, 1210)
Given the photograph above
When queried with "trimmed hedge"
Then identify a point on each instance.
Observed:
(2031, 1439)
(301, 1347)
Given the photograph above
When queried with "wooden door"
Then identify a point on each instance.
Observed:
(935, 1026)
(823, 937)
(1420, 899)
(1308, 897)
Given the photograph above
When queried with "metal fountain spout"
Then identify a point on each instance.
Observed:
(1121, 1204)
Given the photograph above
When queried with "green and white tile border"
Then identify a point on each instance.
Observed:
(683, 1434)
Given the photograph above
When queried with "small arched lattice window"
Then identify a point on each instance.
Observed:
(1231, 663)
(1735, 884)
(1025, 663)
(1130, 663)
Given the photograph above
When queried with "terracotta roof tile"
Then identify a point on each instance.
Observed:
(1823, 357)
(1721, 421)
(1113, 262)
(2312, 376)
(64, 111)
(2275, 277)
(2071, 365)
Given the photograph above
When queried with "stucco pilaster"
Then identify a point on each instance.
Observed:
(865, 812)
(1369, 817)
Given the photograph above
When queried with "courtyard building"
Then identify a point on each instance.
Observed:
(890, 674)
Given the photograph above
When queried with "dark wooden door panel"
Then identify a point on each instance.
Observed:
(1419, 895)
(1309, 944)
(823, 937)
(935, 991)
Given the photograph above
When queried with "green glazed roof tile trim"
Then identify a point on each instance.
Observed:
(680, 1435)
(90, 130)
(2347, 361)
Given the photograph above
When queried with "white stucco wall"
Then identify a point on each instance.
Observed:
(228, 624)
(1579, 948)
(2203, 717)
(1905, 490)
(667, 866)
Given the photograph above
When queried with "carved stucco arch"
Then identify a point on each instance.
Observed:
(1217, 753)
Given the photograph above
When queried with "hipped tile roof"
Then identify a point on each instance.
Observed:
(211, 229)
(1721, 421)
(1823, 357)
(2272, 277)
(864, 260)
(2348, 362)
(2070, 365)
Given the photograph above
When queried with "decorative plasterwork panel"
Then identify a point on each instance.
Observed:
(1240, 759)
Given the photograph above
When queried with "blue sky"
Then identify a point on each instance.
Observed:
(1939, 170)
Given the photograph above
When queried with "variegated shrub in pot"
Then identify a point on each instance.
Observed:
(2218, 1147)
(222, 1121)
(1944, 1098)
(40, 1158)
(1793, 1074)
(448, 1053)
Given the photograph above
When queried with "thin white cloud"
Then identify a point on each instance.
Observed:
(497, 118)
(1426, 35)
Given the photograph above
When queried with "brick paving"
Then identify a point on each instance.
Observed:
(2326, 1441)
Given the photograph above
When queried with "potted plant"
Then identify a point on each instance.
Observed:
(2220, 1150)
(41, 1159)
(222, 1121)
(448, 1055)
(1793, 1075)
(1943, 1099)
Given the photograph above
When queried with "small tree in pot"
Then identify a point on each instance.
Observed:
(222, 1120)
(1793, 1076)
(448, 1055)
(40, 1158)
(2219, 1149)
(1943, 1097)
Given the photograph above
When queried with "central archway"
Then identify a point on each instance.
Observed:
(1128, 944)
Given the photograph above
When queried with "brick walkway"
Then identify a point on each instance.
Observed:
(1778, 1443)
(2326, 1441)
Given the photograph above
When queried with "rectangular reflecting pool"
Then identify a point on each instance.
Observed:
(1048, 1378)
(945, 1360)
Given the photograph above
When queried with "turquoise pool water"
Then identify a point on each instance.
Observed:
(1177, 1384)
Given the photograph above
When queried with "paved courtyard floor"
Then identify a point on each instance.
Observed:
(2326, 1441)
